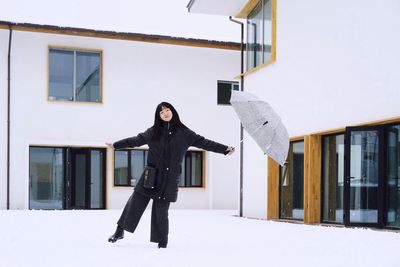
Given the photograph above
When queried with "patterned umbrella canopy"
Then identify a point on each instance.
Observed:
(262, 124)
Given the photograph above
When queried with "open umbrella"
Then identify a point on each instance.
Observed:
(263, 125)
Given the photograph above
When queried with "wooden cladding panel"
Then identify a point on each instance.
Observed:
(312, 179)
(251, 4)
(273, 190)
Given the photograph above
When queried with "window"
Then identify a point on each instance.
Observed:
(292, 184)
(259, 34)
(74, 75)
(225, 90)
(332, 178)
(46, 175)
(393, 175)
(129, 165)
(192, 166)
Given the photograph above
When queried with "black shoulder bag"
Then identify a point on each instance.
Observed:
(150, 174)
(149, 177)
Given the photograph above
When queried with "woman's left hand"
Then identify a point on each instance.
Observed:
(231, 150)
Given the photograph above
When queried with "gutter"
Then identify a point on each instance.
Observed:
(8, 115)
(241, 126)
(190, 4)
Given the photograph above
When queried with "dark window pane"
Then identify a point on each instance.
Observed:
(183, 174)
(393, 176)
(225, 91)
(78, 182)
(121, 168)
(61, 75)
(96, 179)
(364, 173)
(196, 169)
(254, 37)
(88, 76)
(192, 166)
(332, 178)
(292, 184)
(46, 178)
(267, 42)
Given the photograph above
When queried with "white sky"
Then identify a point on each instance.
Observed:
(161, 17)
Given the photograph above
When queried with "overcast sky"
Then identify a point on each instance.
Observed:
(163, 17)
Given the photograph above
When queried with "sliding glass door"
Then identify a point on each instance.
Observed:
(46, 178)
(364, 175)
(67, 178)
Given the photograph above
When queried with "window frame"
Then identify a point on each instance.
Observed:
(280, 185)
(323, 165)
(232, 83)
(67, 175)
(264, 63)
(75, 50)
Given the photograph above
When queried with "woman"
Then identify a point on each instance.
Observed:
(168, 140)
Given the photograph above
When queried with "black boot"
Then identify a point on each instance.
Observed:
(162, 245)
(119, 234)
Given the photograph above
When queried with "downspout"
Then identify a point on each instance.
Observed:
(241, 126)
(189, 5)
(8, 115)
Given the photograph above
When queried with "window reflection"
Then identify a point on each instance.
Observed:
(46, 172)
(292, 184)
(74, 75)
(393, 176)
(87, 76)
(61, 75)
(333, 178)
(259, 34)
(121, 168)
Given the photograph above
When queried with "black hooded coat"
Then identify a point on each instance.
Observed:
(166, 154)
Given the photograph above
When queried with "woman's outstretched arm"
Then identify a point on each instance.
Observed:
(135, 141)
(199, 141)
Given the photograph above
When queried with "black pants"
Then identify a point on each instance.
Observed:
(133, 211)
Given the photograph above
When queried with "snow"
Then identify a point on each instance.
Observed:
(160, 17)
(197, 238)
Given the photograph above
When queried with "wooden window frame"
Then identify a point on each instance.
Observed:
(75, 50)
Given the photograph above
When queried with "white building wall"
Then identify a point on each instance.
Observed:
(337, 64)
(136, 77)
(3, 117)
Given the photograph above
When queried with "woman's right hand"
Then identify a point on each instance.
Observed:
(231, 150)
(110, 145)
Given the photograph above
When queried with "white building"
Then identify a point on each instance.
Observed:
(324, 66)
(74, 86)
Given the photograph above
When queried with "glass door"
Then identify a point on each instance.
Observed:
(85, 181)
(78, 181)
(97, 182)
(363, 189)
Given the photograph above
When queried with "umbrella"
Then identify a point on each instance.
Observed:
(263, 125)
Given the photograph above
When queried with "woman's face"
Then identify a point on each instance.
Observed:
(166, 114)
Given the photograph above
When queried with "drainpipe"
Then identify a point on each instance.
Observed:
(8, 115)
(241, 126)
(189, 5)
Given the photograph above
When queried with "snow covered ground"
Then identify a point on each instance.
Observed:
(197, 238)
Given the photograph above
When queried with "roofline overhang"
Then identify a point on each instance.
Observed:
(128, 36)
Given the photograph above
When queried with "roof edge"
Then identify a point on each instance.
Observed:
(128, 36)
